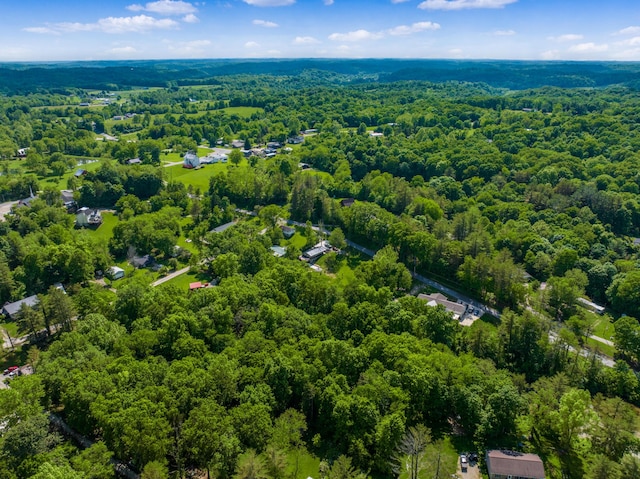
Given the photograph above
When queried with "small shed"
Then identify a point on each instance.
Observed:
(115, 272)
(80, 172)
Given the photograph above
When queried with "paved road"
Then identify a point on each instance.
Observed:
(169, 277)
(483, 308)
(606, 361)
(6, 208)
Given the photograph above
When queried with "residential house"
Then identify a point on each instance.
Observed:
(221, 228)
(88, 218)
(191, 160)
(514, 465)
(237, 143)
(26, 201)
(590, 305)
(134, 161)
(458, 310)
(115, 272)
(287, 231)
(316, 252)
(80, 172)
(296, 140)
(22, 152)
(142, 261)
(347, 202)
(278, 251)
(11, 310)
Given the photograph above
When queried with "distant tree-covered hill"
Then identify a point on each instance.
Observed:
(21, 78)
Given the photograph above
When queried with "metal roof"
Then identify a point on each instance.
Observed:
(516, 464)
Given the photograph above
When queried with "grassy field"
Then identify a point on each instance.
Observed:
(198, 178)
(105, 231)
(10, 327)
(603, 327)
(307, 465)
(600, 347)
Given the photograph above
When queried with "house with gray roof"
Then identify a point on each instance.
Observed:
(11, 310)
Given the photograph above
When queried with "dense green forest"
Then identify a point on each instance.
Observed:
(515, 184)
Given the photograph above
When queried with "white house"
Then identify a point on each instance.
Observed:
(115, 272)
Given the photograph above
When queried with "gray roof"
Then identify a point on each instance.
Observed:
(11, 309)
(516, 464)
(455, 308)
(316, 251)
(221, 228)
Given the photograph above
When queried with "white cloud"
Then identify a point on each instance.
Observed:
(122, 50)
(328, 2)
(165, 7)
(355, 36)
(270, 3)
(629, 42)
(265, 23)
(305, 40)
(191, 48)
(137, 24)
(251, 45)
(567, 37)
(190, 18)
(589, 47)
(463, 4)
(634, 30)
(41, 30)
(504, 33)
(550, 55)
(413, 28)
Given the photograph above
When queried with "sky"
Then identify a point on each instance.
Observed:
(63, 30)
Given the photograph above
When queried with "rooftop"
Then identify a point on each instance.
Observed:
(516, 464)
(12, 309)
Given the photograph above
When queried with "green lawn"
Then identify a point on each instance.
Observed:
(61, 182)
(198, 178)
(11, 328)
(298, 240)
(603, 326)
(600, 347)
(307, 465)
(184, 280)
(105, 231)
(243, 111)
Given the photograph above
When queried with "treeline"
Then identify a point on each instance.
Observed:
(195, 379)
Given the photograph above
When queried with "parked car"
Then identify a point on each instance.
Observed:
(463, 462)
(10, 369)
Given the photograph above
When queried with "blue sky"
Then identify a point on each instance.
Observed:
(47, 30)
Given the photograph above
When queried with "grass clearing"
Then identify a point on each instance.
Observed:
(11, 328)
(600, 347)
(603, 327)
(105, 230)
(198, 178)
(301, 465)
